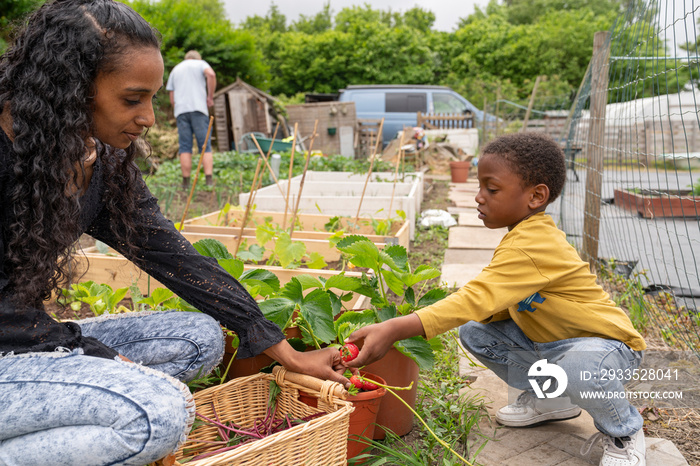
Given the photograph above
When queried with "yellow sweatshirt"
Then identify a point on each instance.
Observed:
(537, 279)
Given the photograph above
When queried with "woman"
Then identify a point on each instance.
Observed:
(76, 91)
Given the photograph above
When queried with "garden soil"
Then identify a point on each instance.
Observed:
(679, 424)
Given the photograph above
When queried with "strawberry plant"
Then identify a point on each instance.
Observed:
(316, 305)
(100, 297)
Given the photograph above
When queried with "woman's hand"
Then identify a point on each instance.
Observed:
(323, 364)
(379, 338)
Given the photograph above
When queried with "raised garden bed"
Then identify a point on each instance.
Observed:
(339, 193)
(118, 272)
(653, 203)
(310, 228)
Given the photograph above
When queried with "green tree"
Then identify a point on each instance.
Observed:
(202, 25)
(11, 13)
(320, 22)
(273, 22)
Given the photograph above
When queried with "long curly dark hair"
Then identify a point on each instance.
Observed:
(47, 79)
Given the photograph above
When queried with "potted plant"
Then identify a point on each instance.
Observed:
(314, 307)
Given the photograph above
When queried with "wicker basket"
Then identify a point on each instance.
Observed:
(321, 441)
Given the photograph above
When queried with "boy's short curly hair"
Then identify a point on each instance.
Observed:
(535, 157)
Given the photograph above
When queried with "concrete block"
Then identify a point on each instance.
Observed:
(480, 257)
(470, 219)
(458, 275)
(475, 237)
(341, 195)
(542, 455)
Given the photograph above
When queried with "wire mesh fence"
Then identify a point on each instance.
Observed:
(631, 204)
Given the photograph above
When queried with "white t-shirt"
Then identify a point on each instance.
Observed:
(189, 84)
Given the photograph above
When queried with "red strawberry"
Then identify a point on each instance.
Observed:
(349, 351)
(368, 385)
(355, 380)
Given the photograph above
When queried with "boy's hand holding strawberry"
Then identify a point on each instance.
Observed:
(379, 338)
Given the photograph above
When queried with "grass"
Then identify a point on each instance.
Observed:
(449, 409)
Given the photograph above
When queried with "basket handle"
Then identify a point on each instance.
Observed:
(325, 387)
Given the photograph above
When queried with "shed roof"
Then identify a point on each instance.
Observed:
(239, 83)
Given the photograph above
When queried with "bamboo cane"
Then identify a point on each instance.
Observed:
(396, 174)
(247, 207)
(369, 174)
(289, 178)
(303, 177)
(196, 175)
(267, 164)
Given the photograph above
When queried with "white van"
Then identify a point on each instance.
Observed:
(398, 104)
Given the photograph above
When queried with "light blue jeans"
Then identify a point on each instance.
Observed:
(65, 408)
(593, 367)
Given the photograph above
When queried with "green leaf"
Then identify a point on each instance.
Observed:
(399, 255)
(362, 253)
(278, 310)
(418, 349)
(265, 276)
(422, 273)
(336, 303)
(308, 281)
(393, 282)
(264, 234)
(432, 296)
(254, 253)
(116, 297)
(293, 290)
(161, 294)
(316, 310)
(297, 343)
(360, 318)
(336, 237)
(289, 252)
(315, 261)
(410, 296)
(386, 313)
(233, 266)
(212, 248)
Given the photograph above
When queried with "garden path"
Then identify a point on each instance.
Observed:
(470, 247)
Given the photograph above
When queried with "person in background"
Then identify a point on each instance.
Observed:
(76, 90)
(191, 86)
(536, 313)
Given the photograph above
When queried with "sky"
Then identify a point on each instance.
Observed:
(447, 12)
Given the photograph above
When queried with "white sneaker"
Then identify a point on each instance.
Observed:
(529, 410)
(620, 451)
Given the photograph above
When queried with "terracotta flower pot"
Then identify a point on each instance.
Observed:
(364, 418)
(399, 371)
(460, 171)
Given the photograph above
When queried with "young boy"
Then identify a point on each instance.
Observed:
(535, 313)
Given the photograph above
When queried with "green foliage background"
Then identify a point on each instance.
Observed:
(497, 51)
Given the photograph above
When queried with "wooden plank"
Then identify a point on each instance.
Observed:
(594, 176)
(308, 223)
(118, 272)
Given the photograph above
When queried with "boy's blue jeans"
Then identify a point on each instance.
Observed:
(503, 347)
(65, 408)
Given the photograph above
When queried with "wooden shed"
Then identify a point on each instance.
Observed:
(337, 123)
(240, 108)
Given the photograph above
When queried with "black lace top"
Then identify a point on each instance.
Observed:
(166, 255)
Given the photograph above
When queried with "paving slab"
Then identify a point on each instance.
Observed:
(475, 237)
(465, 201)
(480, 257)
(460, 210)
(470, 219)
(458, 275)
(554, 443)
